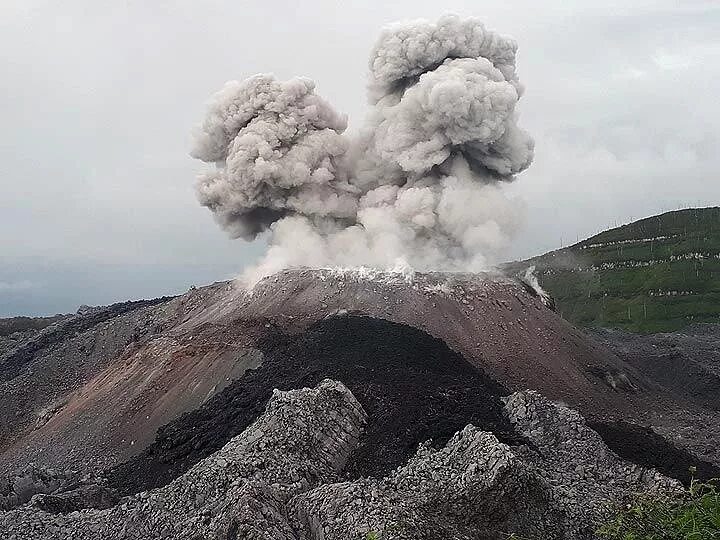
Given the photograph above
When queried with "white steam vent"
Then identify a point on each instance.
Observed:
(529, 278)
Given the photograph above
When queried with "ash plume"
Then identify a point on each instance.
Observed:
(420, 185)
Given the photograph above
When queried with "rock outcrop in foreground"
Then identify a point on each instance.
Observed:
(280, 479)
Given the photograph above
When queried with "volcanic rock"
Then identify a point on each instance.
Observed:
(279, 479)
(304, 438)
(92, 391)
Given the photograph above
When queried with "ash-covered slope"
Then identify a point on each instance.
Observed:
(98, 391)
(49, 384)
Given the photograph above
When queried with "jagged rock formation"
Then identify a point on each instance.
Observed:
(559, 486)
(572, 458)
(474, 487)
(56, 490)
(279, 480)
(20, 487)
(303, 439)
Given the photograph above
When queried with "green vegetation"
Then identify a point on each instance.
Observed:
(693, 515)
(654, 275)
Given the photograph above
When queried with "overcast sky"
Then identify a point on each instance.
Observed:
(98, 97)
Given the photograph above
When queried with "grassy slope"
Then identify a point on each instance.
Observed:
(657, 274)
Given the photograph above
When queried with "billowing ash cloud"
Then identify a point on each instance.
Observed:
(420, 185)
(276, 145)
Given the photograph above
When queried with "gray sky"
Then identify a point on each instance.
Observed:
(98, 98)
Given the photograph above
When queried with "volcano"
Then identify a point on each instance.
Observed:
(118, 402)
(92, 391)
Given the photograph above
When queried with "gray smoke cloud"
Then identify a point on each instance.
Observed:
(421, 184)
(276, 146)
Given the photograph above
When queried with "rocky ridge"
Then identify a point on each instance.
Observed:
(15, 330)
(280, 479)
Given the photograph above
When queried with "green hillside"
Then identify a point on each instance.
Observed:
(657, 274)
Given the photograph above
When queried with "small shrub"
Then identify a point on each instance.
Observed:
(692, 515)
